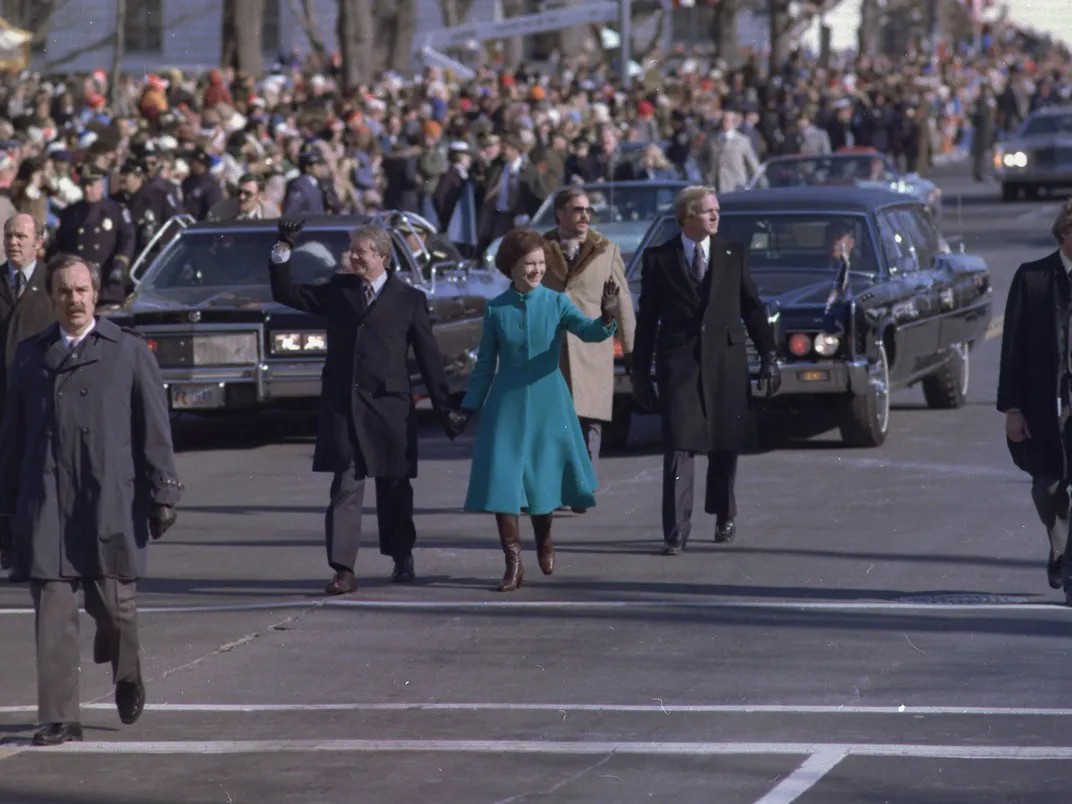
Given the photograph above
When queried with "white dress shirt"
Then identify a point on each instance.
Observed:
(70, 341)
(1066, 261)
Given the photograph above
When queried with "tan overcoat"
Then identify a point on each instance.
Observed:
(589, 367)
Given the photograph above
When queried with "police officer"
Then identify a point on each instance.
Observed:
(149, 205)
(151, 156)
(101, 231)
(311, 193)
(201, 190)
(428, 248)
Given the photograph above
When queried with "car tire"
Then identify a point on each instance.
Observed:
(947, 387)
(1009, 192)
(616, 431)
(866, 419)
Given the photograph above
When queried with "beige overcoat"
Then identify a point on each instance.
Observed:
(589, 367)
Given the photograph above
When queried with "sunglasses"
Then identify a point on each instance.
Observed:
(245, 194)
(581, 210)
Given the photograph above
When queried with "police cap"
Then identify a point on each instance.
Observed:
(90, 173)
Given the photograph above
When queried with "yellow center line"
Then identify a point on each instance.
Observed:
(995, 329)
(7, 753)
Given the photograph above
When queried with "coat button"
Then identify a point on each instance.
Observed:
(83, 392)
(85, 431)
(703, 327)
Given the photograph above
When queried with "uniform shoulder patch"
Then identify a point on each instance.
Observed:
(126, 215)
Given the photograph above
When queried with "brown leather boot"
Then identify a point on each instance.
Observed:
(545, 550)
(510, 537)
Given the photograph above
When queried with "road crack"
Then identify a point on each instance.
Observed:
(558, 786)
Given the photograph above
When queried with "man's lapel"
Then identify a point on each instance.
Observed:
(719, 257)
(7, 293)
(592, 247)
(678, 273)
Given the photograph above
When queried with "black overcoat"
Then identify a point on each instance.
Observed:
(85, 451)
(696, 334)
(21, 318)
(367, 411)
(1034, 352)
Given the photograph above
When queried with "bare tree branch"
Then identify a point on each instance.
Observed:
(303, 12)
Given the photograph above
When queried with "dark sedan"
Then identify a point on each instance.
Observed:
(907, 311)
(206, 310)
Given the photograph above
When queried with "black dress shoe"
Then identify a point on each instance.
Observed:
(58, 734)
(343, 583)
(673, 549)
(579, 510)
(130, 699)
(403, 571)
(725, 531)
(1053, 571)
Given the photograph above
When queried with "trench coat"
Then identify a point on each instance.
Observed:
(21, 318)
(530, 454)
(85, 452)
(696, 334)
(589, 367)
(367, 411)
(1034, 358)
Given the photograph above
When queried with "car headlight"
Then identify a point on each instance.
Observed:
(298, 343)
(1014, 159)
(826, 345)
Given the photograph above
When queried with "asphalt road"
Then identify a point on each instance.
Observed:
(881, 630)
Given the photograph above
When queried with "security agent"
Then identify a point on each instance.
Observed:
(310, 193)
(87, 478)
(101, 231)
(150, 206)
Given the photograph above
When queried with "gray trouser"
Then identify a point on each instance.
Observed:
(593, 440)
(678, 481)
(1052, 503)
(111, 604)
(394, 516)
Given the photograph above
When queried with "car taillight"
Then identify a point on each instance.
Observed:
(152, 344)
(617, 347)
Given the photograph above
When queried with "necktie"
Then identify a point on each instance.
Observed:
(697, 263)
(370, 294)
(20, 284)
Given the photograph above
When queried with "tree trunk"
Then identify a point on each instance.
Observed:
(399, 36)
(249, 27)
(354, 30)
(724, 32)
(779, 40)
(868, 35)
(117, 51)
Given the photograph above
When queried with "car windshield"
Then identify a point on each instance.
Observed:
(786, 240)
(1044, 124)
(815, 171)
(613, 204)
(215, 259)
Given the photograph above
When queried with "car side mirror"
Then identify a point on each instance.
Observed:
(902, 265)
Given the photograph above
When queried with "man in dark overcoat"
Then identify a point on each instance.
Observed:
(87, 476)
(1034, 389)
(695, 291)
(25, 308)
(367, 425)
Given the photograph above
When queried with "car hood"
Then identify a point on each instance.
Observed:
(801, 288)
(236, 303)
(1038, 141)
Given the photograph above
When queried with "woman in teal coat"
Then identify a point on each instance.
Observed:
(530, 455)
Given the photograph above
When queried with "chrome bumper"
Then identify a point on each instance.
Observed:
(240, 386)
(845, 376)
(1061, 175)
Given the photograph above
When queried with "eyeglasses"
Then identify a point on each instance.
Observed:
(581, 210)
(244, 194)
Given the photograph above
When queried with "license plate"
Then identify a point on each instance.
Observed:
(206, 395)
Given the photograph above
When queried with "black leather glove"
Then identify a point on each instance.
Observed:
(117, 275)
(454, 422)
(769, 374)
(627, 364)
(289, 229)
(645, 397)
(161, 518)
(610, 304)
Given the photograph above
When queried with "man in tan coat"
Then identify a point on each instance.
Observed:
(579, 261)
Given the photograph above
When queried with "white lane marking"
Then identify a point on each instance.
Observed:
(702, 709)
(996, 328)
(995, 752)
(1038, 212)
(881, 606)
(800, 781)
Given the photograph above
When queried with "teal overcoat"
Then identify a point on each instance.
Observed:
(530, 455)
